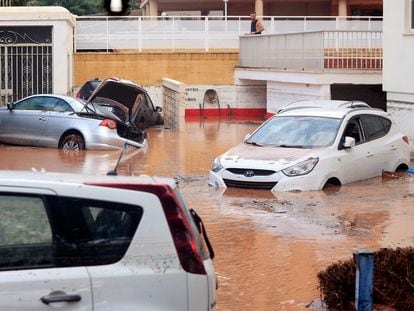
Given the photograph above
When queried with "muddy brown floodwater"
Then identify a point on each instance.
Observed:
(269, 247)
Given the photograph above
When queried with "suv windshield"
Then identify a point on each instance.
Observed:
(296, 132)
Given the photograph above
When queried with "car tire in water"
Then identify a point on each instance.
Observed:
(72, 142)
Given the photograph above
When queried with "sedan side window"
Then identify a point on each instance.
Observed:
(33, 103)
(25, 233)
(62, 106)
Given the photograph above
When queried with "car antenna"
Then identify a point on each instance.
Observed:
(113, 172)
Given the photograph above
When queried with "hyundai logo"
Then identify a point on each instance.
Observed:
(249, 173)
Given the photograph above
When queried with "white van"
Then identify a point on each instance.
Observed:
(98, 243)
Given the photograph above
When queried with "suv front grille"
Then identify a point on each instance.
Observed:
(242, 171)
(250, 184)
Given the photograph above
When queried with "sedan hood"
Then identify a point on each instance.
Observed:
(246, 155)
(120, 93)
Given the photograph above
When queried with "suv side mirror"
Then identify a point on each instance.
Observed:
(10, 106)
(158, 109)
(349, 142)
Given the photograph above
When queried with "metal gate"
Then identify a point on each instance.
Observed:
(25, 62)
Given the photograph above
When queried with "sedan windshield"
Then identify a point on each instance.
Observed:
(296, 132)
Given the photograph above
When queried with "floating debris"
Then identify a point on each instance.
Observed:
(391, 175)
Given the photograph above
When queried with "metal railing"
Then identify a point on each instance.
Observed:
(141, 33)
(318, 50)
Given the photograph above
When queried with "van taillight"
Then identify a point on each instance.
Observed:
(405, 138)
(78, 95)
(184, 239)
(108, 123)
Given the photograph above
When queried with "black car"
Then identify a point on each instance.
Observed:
(129, 101)
(87, 88)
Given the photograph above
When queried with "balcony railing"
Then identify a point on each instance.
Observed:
(201, 32)
(318, 50)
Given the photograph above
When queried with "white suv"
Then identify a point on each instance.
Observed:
(101, 243)
(311, 144)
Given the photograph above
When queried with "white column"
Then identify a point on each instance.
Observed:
(342, 8)
(258, 7)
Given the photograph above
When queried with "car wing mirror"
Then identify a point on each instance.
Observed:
(158, 109)
(349, 142)
(10, 106)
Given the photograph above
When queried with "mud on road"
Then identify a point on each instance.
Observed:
(269, 247)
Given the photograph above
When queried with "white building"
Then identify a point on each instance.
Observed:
(263, 7)
(398, 71)
(36, 51)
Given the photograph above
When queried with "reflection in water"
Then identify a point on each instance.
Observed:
(269, 247)
(56, 160)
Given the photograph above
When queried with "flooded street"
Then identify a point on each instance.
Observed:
(269, 247)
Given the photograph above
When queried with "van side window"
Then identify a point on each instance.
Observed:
(25, 233)
(50, 231)
(101, 231)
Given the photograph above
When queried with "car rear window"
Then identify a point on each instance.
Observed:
(49, 231)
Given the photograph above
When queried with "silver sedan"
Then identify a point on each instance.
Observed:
(65, 122)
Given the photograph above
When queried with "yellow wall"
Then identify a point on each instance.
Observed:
(149, 68)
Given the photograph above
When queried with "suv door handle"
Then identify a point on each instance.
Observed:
(42, 118)
(369, 154)
(60, 298)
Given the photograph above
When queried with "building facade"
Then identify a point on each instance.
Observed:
(36, 51)
(398, 79)
(263, 7)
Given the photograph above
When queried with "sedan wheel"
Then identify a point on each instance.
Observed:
(72, 142)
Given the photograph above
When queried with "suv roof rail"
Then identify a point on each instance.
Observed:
(352, 104)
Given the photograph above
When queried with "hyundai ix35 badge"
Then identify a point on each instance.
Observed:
(249, 173)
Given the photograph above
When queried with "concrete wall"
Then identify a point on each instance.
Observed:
(173, 104)
(280, 94)
(248, 95)
(150, 68)
(280, 87)
(398, 82)
(63, 23)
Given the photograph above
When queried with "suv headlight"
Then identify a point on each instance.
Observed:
(216, 165)
(301, 168)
